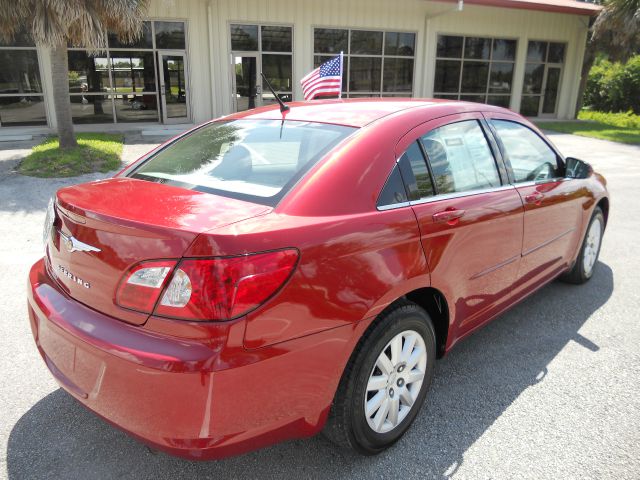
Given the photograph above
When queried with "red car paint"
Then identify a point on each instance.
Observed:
(212, 389)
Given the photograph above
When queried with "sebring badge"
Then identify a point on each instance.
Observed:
(73, 278)
(75, 245)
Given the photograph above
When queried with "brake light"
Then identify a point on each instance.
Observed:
(143, 284)
(225, 288)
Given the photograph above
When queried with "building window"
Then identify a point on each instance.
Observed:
(21, 97)
(122, 84)
(542, 75)
(475, 69)
(376, 63)
(267, 49)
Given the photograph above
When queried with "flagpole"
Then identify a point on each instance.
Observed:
(341, 73)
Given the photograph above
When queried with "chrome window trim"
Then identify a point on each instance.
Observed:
(445, 196)
(469, 193)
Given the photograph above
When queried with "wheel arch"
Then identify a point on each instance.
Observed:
(603, 203)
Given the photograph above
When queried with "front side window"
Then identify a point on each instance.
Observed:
(254, 160)
(475, 69)
(376, 63)
(460, 158)
(530, 157)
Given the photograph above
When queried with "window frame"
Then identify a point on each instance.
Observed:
(346, 93)
(42, 95)
(545, 65)
(459, 95)
(406, 171)
(112, 94)
(259, 54)
(560, 162)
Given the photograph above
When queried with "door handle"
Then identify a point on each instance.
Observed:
(450, 216)
(535, 198)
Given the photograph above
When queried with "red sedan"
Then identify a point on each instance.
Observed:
(272, 274)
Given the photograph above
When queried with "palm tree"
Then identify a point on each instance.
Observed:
(58, 23)
(616, 33)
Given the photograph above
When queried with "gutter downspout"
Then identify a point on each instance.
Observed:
(427, 28)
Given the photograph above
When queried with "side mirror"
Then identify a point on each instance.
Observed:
(576, 168)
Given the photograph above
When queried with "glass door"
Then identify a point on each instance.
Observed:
(174, 87)
(246, 89)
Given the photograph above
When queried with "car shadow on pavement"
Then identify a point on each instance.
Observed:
(474, 385)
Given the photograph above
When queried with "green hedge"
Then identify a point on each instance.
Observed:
(614, 87)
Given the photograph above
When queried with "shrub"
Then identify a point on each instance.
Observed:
(614, 87)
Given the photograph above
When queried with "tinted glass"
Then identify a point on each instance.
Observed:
(20, 39)
(474, 77)
(277, 69)
(22, 111)
(87, 73)
(145, 40)
(399, 43)
(530, 157)
(529, 105)
(364, 74)
(478, 48)
(398, 75)
(499, 100)
(536, 51)
(133, 72)
(420, 170)
(364, 42)
(19, 72)
(460, 158)
(330, 40)
(500, 77)
(253, 159)
(551, 90)
(244, 37)
(450, 47)
(504, 49)
(447, 76)
(533, 74)
(556, 53)
(170, 35)
(276, 39)
(136, 108)
(91, 109)
(393, 191)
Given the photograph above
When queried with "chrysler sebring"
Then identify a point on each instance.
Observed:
(277, 273)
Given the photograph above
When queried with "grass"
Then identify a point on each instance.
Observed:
(617, 127)
(96, 152)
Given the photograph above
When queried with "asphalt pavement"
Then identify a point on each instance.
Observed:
(549, 390)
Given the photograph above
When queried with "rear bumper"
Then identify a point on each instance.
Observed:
(195, 398)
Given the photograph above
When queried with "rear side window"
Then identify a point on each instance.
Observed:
(393, 192)
(460, 158)
(420, 171)
(530, 157)
(254, 160)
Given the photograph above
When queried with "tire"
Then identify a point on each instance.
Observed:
(348, 425)
(585, 264)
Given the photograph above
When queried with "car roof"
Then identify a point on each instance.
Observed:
(358, 112)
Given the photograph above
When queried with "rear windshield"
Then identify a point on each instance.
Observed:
(254, 160)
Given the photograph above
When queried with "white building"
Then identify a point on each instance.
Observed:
(200, 59)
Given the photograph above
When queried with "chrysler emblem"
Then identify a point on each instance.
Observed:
(75, 245)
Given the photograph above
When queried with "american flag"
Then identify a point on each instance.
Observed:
(326, 79)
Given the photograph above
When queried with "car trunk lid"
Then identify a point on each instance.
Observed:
(103, 228)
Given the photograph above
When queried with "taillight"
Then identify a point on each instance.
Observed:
(225, 288)
(143, 284)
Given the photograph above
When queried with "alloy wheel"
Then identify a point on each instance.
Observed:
(395, 381)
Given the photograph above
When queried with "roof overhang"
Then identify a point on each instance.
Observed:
(557, 6)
